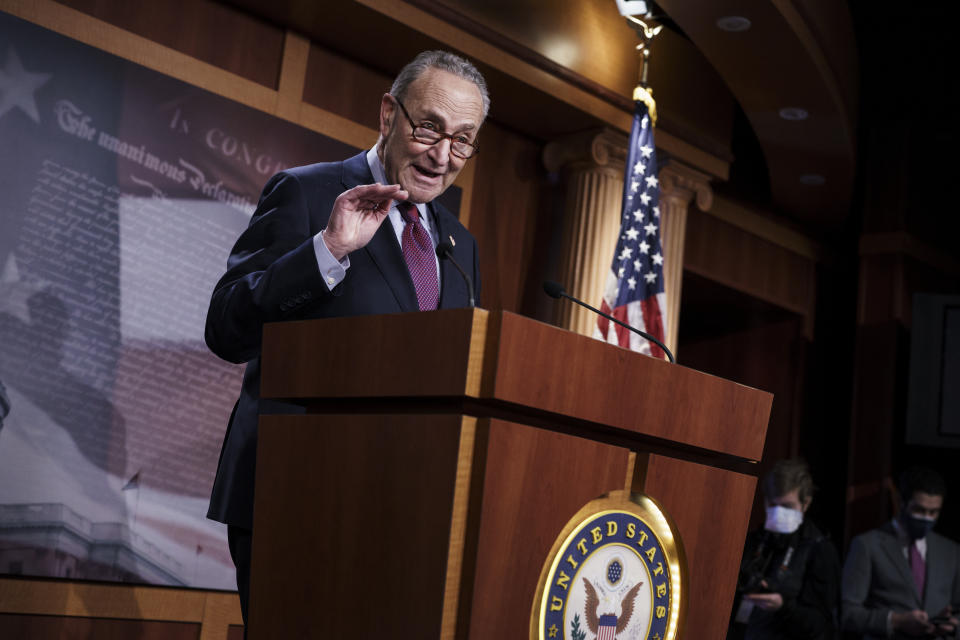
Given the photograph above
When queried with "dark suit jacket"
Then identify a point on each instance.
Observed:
(272, 275)
(877, 579)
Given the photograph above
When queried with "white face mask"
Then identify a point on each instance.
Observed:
(783, 520)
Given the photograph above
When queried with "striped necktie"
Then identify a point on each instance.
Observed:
(418, 252)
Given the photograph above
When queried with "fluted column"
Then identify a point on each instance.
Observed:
(678, 186)
(592, 163)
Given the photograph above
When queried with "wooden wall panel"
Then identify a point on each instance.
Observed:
(70, 609)
(535, 481)
(358, 91)
(60, 627)
(205, 30)
(509, 185)
(733, 257)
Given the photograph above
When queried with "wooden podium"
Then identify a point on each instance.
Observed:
(441, 454)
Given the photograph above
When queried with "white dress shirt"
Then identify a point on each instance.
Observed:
(333, 270)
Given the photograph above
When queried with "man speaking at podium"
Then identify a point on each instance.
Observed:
(341, 239)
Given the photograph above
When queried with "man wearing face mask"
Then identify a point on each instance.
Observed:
(790, 571)
(902, 580)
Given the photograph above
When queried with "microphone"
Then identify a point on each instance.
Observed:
(445, 252)
(555, 290)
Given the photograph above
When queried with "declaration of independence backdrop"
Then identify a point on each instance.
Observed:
(123, 191)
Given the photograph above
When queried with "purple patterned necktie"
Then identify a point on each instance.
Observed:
(918, 567)
(419, 253)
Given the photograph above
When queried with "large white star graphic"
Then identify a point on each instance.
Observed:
(18, 85)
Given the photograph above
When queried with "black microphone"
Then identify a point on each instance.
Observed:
(555, 290)
(445, 252)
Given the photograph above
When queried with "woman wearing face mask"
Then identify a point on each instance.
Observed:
(790, 573)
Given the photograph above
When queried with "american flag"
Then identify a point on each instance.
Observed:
(608, 627)
(634, 290)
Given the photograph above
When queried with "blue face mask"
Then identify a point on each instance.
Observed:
(783, 520)
(917, 527)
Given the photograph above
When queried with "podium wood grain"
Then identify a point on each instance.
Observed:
(441, 453)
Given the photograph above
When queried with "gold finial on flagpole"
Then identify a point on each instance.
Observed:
(642, 92)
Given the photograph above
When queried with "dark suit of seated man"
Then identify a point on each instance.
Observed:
(342, 239)
(902, 580)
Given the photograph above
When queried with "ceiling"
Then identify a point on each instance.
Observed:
(798, 54)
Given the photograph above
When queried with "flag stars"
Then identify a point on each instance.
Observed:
(644, 247)
(632, 283)
(638, 215)
(656, 212)
(650, 277)
(637, 265)
(652, 181)
(639, 168)
(634, 185)
(657, 259)
(650, 228)
(646, 150)
(632, 233)
(18, 86)
(626, 253)
(621, 272)
(645, 198)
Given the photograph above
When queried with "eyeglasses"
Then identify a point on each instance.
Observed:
(427, 133)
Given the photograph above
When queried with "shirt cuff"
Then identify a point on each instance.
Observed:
(332, 270)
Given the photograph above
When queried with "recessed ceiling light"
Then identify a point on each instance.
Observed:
(812, 180)
(794, 113)
(733, 24)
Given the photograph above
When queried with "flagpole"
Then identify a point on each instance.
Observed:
(635, 293)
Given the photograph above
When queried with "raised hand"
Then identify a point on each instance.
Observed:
(356, 216)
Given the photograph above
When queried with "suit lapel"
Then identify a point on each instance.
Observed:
(383, 249)
(448, 273)
(935, 564)
(894, 550)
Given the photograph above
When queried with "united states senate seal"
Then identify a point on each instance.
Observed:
(617, 571)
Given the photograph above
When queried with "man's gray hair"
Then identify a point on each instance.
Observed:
(445, 61)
